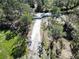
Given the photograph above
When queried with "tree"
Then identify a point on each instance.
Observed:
(56, 30)
(66, 4)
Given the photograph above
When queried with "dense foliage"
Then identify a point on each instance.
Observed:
(11, 44)
(60, 5)
(15, 18)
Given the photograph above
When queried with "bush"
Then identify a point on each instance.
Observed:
(10, 35)
(66, 4)
(55, 10)
(26, 18)
(19, 48)
(11, 45)
(75, 44)
(56, 30)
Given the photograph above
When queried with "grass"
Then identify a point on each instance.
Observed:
(6, 46)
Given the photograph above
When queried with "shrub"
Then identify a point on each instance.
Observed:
(56, 30)
(66, 4)
(19, 48)
(12, 45)
(55, 10)
(56, 33)
(75, 44)
(9, 35)
(26, 18)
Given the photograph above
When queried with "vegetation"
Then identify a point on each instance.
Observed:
(75, 36)
(16, 17)
(56, 30)
(61, 5)
(11, 44)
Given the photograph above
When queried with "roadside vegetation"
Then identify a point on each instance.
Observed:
(15, 19)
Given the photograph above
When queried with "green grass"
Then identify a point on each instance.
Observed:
(6, 46)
